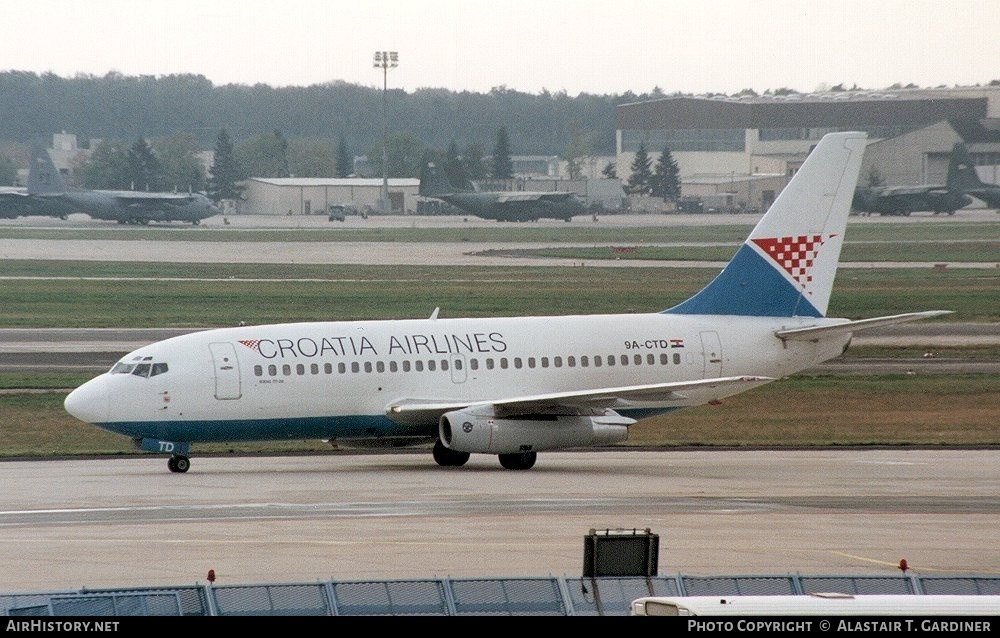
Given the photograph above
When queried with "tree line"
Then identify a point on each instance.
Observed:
(316, 121)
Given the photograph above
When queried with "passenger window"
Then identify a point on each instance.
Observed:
(380, 366)
(355, 367)
(638, 359)
(300, 369)
(597, 362)
(272, 370)
(531, 362)
(624, 359)
(458, 364)
(584, 362)
(142, 370)
(444, 364)
(571, 362)
(557, 362)
(314, 368)
(393, 366)
(258, 371)
(418, 365)
(503, 363)
(341, 368)
(431, 365)
(368, 366)
(517, 363)
(650, 359)
(161, 368)
(611, 359)
(663, 359)
(677, 358)
(406, 366)
(286, 370)
(328, 368)
(489, 364)
(545, 362)
(474, 364)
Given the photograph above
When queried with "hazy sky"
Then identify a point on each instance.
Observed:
(593, 46)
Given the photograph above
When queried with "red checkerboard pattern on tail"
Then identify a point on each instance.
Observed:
(794, 254)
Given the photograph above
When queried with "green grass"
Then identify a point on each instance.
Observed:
(576, 232)
(930, 251)
(281, 293)
(801, 411)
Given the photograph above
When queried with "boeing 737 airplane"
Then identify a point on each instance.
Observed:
(49, 195)
(512, 386)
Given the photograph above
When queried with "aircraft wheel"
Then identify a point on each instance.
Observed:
(518, 460)
(448, 458)
(179, 464)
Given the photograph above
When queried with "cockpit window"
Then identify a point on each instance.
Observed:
(144, 369)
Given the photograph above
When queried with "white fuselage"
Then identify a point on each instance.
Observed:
(337, 379)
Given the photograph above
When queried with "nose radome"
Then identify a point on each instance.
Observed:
(89, 402)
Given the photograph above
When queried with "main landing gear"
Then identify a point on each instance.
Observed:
(519, 460)
(179, 464)
(446, 457)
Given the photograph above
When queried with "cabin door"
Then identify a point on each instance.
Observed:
(227, 371)
(712, 350)
(458, 372)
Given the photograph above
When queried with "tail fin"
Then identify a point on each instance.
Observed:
(434, 182)
(962, 172)
(43, 177)
(787, 265)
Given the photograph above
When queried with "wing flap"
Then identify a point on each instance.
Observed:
(412, 411)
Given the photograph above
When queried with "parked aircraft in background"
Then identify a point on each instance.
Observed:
(504, 206)
(962, 174)
(903, 200)
(49, 195)
(511, 386)
(14, 202)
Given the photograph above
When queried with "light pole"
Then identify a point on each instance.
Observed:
(385, 60)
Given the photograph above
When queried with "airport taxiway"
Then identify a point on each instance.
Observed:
(129, 522)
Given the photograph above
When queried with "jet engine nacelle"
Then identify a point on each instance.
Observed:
(466, 431)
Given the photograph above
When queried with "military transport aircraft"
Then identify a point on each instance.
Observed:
(504, 206)
(962, 174)
(903, 200)
(49, 195)
(509, 386)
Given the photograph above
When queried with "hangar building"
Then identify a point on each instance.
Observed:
(745, 149)
(314, 195)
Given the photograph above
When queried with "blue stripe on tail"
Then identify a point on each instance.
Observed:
(749, 285)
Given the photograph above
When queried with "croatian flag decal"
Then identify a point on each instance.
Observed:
(795, 255)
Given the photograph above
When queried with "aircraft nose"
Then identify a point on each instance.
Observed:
(89, 402)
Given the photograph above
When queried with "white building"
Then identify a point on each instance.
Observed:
(314, 195)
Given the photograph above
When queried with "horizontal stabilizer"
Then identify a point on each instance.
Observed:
(418, 411)
(815, 332)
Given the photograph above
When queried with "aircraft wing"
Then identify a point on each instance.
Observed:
(127, 198)
(555, 196)
(811, 333)
(573, 402)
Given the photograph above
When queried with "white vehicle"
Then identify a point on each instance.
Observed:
(830, 605)
(510, 386)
